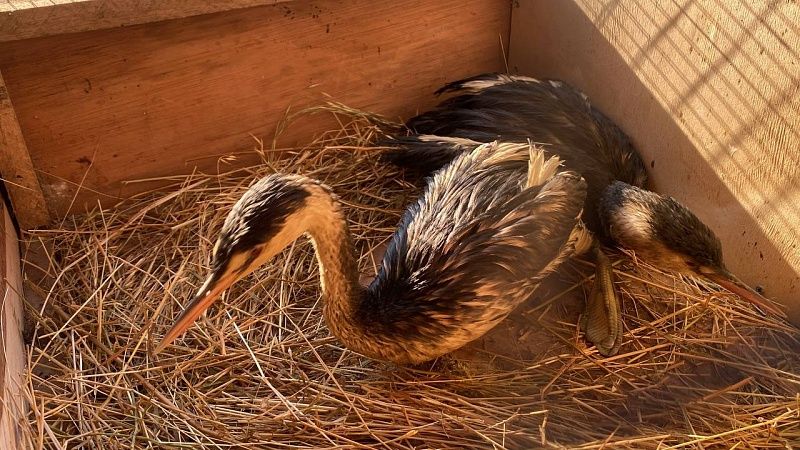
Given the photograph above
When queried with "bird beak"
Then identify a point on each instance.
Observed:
(729, 281)
(212, 288)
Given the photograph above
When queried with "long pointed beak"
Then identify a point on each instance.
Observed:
(729, 281)
(212, 288)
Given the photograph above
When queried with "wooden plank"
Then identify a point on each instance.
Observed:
(28, 19)
(3, 276)
(16, 168)
(707, 90)
(12, 350)
(159, 99)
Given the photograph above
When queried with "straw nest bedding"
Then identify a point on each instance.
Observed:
(698, 368)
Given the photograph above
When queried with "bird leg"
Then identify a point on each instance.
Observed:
(602, 318)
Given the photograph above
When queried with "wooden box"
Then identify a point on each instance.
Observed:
(97, 92)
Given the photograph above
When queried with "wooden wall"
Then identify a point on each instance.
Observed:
(100, 107)
(22, 19)
(12, 351)
(708, 90)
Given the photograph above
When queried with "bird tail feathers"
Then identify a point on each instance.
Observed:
(423, 154)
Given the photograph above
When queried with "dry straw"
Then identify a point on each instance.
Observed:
(698, 369)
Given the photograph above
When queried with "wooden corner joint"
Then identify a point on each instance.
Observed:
(16, 168)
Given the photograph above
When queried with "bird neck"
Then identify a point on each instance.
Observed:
(338, 268)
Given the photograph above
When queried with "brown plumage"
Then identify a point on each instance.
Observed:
(494, 220)
(521, 109)
(561, 119)
(667, 234)
(508, 108)
(487, 229)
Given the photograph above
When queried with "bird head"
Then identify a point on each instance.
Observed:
(273, 213)
(668, 235)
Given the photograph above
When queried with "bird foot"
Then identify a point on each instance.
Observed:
(602, 318)
(606, 341)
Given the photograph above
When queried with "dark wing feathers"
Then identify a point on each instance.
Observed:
(489, 107)
(423, 155)
(512, 108)
(475, 263)
(512, 244)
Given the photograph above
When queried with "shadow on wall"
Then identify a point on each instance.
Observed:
(721, 92)
(706, 90)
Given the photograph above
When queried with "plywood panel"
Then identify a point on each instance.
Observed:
(100, 107)
(708, 90)
(12, 351)
(24, 19)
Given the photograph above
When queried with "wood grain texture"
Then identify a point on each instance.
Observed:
(164, 98)
(29, 19)
(3, 276)
(12, 359)
(708, 91)
(16, 167)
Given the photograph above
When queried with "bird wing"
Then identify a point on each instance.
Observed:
(491, 105)
(512, 245)
(517, 108)
(423, 155)
(466, 253)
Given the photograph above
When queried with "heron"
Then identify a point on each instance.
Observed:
(484, 233)
(617, 210)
